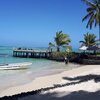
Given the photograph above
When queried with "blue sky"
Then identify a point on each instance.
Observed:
(34, 23)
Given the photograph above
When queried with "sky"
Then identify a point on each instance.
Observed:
(34, 23)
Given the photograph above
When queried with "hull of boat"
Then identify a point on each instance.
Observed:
(15, 66)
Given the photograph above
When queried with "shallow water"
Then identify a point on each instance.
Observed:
(39, 67)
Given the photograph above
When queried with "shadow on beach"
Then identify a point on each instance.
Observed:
(79, 95)
(84, 78)
(76, 95)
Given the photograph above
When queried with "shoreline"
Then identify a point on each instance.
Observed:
(29, 76)
(50, 80)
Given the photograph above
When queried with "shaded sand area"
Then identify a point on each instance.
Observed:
(81, 83)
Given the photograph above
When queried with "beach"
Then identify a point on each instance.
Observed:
(85, 73)
(15, 78)
(48, 51)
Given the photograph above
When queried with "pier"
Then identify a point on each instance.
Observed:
(30, 53)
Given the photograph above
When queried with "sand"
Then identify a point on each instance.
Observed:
(61, 78)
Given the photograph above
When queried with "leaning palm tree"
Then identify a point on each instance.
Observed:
(61, 39)
(93, 15)
(89, 40)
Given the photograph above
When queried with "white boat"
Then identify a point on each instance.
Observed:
(15, 66)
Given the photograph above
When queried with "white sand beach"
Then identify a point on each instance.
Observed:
(61, 78)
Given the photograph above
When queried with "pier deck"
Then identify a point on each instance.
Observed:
(30, 53)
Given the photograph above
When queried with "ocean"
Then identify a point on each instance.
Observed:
(39, 67)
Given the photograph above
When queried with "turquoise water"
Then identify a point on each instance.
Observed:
(39, 67)
(37, 64)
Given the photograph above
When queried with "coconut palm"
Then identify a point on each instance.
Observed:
(61, 39)
(89, 40)
(50, 46)
(93, 15)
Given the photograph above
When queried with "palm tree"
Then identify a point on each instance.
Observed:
(89, 40)
(50, 46)
(61, 39)
(93, 15)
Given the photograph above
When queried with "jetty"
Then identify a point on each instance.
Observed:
(30, 53)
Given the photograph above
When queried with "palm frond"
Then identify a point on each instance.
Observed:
(89, 3)
(89, 39)
(62, 39)
(91, 20)
(90, 9)
(93, 15)
(87, 16)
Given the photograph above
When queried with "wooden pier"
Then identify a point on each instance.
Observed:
(30, 53)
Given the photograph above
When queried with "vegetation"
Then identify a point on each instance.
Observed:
(50, 46)
(59, 56)
(61, 39)
(89, 40)
(93, 15)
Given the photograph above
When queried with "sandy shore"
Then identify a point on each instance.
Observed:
(48, 81)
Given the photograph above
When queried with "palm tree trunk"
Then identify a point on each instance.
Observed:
(58, 49)
(99, 31)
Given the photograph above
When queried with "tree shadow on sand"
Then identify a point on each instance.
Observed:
(77, 95)
(84, 78)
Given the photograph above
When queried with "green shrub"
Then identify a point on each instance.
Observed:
(58, 54)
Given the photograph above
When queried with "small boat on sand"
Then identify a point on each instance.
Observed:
(15, 66)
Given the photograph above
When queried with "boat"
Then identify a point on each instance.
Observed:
(15, 66)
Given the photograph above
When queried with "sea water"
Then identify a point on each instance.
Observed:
(39, 67)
